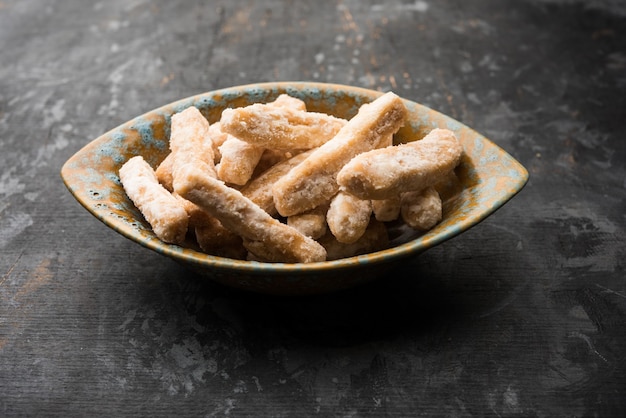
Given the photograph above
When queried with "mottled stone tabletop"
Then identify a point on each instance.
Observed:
(523, 315)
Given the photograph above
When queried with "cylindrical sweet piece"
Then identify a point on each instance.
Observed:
(164, 212)
(387, 172)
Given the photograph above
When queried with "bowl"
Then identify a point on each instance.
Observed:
(486, 179)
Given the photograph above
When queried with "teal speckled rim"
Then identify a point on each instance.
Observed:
(490, 176)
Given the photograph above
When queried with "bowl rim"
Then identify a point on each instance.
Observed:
(413, 247)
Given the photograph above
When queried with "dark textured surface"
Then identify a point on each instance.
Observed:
(524, 315)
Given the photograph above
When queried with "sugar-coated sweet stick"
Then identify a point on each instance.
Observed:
(422, 209)
(348, 217)
(243, 217)
(238, 160)
(212, 237)
(387, 172)
(313, 181)
(189, 141)
(163, 211)
(278, 127)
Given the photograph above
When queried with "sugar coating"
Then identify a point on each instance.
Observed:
(279, 127)
(163, 211)
(348, 217)
(385, 173)
(313, 181)
(243, 217)
(189, 141)
(239, 159)
(421, 210)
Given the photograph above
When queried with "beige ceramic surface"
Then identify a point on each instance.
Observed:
(486, 179)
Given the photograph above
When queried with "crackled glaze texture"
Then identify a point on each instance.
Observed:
(486, 179)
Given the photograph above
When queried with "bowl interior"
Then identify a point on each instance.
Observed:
(486, 179)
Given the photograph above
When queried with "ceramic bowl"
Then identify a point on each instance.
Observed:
(486, 178)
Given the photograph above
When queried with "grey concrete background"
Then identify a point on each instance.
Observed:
(523, 315)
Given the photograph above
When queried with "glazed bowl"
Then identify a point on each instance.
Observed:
(486, 179)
